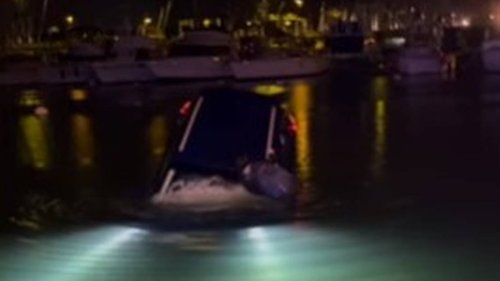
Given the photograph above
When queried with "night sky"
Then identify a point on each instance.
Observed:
(114, 10)
(115, 13)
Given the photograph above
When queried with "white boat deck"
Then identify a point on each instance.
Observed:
(122, 72)
(279, 67)
(171, 69)
(45, 74)
(190, 68)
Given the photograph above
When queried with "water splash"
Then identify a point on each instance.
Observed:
(207, 194)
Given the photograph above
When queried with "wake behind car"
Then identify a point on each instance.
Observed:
(236, 146)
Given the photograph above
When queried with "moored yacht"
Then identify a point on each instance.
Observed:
(264, 64)
(128, 64)
(197, 55)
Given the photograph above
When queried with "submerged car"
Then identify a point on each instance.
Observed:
(239, 136)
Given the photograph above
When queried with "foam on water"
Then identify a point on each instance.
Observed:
(208, 194)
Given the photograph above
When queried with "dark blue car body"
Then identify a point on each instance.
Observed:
(225, 129)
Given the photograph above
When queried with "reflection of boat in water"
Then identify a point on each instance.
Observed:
(199, 54)
(228, 133)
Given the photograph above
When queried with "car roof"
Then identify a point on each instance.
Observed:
(230, 127)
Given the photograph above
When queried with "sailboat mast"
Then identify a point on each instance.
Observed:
(43, 19)
(166, 17)
(195, 9)
(322, 18)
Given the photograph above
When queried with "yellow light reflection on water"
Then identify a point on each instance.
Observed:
(380, 91)
(158, 137)
(83, 139)
(269, 89)
(34, 142)
(300, 104)
(78, 94)
(30, 98)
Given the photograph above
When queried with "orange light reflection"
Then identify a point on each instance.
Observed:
(83, 139)
(300, 105)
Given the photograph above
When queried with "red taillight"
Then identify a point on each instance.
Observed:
(292, 125)
(186, 108)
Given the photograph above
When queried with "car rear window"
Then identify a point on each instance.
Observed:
(228, 129)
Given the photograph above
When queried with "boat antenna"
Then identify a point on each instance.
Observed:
(43, 19)
(195, 9)
(166, 17)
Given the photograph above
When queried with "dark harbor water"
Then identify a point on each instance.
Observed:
(400, 182)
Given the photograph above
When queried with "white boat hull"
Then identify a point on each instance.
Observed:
(122, 72)
(76, 73)
(190, 68)
(491, 61)
(44, 74)
(185, 69)
(491, 56)
(15, 76)
(278, 68)
(419, 61)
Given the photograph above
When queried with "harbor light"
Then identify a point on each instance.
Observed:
(70, 20)
(54, 30)
(78, 95)
(207, 23)
(147, 21)
(465, 22)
